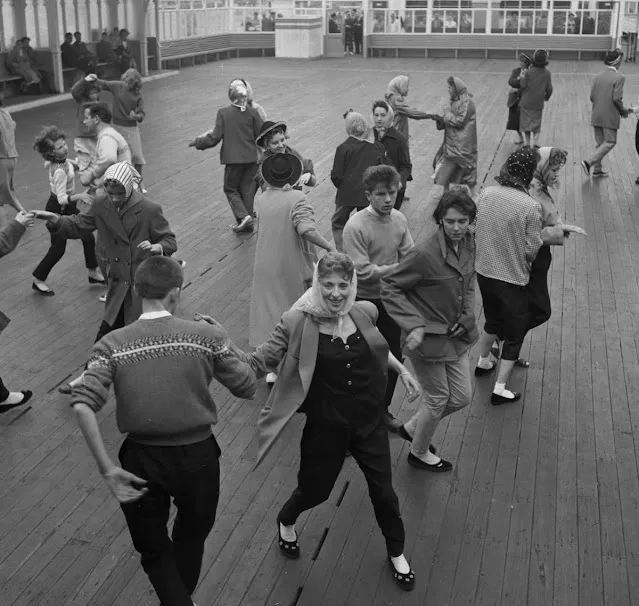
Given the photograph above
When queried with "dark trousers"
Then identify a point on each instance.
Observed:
(506, 313)
(239, 188)
(4, 392)
(191, 476)
(323, 450)
(539, 308)
(59, 245)
(338, 220)
(393, 335)
(358, 38)
(400, 199)
(105, 328)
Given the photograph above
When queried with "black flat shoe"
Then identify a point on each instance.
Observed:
(438, 467)
(96, 281)
(522, 363)
(482, 372)
(290, 549)
(405, 581)
(26, 397)
(498, 399)
(44, 293)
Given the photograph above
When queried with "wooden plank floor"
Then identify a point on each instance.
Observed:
(541, 507)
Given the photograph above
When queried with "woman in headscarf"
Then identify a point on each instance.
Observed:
(396, 94)
(457, 157)
(273, 139)
(285, 250)
(514, 95)
(131, 228)
(250, 101)
(554, 232)
(508, 237)
(431, 296)
(536, 89)
(332, 364)
(395, 144)
(352, 158)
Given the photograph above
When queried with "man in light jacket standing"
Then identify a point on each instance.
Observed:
(606, 96)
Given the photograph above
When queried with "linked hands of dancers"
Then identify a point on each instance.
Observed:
(125, 486)
(45, 215)
(26, 219)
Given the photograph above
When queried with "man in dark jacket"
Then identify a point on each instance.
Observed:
(237, 127)
(606, 96)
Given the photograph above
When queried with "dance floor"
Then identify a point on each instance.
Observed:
(542, 506)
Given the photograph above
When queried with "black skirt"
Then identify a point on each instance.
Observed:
(538, 296)
(513, 118)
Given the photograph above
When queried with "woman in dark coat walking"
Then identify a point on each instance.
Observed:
(536, 89)
(514, 95)
(352, 158)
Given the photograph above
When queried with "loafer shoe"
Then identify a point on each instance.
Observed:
(437, 467)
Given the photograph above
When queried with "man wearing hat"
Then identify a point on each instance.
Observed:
(606, 96)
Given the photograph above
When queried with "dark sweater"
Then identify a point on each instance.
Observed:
(161, 370)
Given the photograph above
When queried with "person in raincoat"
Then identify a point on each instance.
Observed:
(396, 94)
(456, 160)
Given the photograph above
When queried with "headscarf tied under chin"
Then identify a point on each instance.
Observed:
(388, 121)
(125, 175)
(519, 168)
(551, 159)
(312, 303)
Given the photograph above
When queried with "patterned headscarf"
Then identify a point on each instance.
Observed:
(551, 159)
(519, 168)
(312, 302)
(125, 175)
(238, 94)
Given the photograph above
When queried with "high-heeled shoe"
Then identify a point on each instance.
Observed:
(26, 397)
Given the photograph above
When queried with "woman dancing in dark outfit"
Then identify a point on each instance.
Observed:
(332, 364)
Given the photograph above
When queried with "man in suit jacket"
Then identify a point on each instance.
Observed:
(606, 96)
(131, 228)
(237, 126)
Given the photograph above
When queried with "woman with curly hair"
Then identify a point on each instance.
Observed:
(52, 146)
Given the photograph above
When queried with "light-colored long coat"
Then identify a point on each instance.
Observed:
(120, 236)
(292, 351)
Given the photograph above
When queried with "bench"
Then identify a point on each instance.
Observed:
(187, 51)
(488, 45)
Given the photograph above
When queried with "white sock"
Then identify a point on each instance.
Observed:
(401, 564)
(15, 397)
(484, 363)
(288, 532)
(429, 458)
(500, 390)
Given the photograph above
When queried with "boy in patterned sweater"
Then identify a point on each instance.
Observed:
(160, 367)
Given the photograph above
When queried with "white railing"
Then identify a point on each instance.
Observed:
(490, 20)
(178, 23)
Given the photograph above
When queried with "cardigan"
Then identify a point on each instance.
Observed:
(433, 288)
(237, 130)
(292, 351)
(161, 369)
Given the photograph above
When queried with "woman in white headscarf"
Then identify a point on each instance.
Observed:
(396, 94)
(332, 364)
(352, 158)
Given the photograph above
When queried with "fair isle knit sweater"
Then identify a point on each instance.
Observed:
(160, 370)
